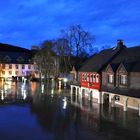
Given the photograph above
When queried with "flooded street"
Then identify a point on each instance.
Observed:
(27, 112)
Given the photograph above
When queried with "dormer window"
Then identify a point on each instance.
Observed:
(20, 59)
(110, 78)
(123, 79)
(7, 59)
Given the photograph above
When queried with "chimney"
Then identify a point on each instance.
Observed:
(119, 45)
(119, 42)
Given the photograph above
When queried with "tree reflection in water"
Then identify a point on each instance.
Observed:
(64, 119)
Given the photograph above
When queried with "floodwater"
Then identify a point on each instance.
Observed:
(27, 112)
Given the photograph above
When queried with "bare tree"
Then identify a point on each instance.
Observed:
(46, 61)
(78, 39)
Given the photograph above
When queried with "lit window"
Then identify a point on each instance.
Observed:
(94, 78)
(3, 72)
(88, 77)
(85, 77)
(82, 76)
(3, 66)
(29, 66)
(91, 77)
(16, 66)
(123, 79)
(16, 72)
(10, 66)
(97, 78)
(23, 66)
(10, 72)
(110, 78)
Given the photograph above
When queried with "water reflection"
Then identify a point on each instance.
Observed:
(58, 116)
(13, 91)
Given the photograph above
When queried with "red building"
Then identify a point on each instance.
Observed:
(90, 80)
(90, 72)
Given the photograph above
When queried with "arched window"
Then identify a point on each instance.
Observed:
(94, 78)
(91, 78)
(97, 78)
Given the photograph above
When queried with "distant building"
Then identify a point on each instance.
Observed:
(16, 62)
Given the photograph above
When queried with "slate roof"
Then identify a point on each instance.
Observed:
(136, 67)
(11, 48)
(128, 55)
(14, 53)
(98, 61)
(130, 58)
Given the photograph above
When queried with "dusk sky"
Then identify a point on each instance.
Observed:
(29, 22)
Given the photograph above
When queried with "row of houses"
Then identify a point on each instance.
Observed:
(16, 62)
(112, 76)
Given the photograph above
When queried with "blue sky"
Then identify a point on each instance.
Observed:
(29, 22)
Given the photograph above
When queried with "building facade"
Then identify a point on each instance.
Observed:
(16, 62)
(91, 72)
(121, 79)
(112, 77)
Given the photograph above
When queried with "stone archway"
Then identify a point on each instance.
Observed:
(90, 95)
(106, 98)
(74, 94)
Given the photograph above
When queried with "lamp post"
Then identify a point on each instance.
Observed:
(65, 82)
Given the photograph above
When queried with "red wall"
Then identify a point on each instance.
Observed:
(90, 80)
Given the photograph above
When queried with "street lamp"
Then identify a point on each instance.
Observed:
(65, 81)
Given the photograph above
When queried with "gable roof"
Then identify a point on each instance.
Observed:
(98, 61)
(113, 66)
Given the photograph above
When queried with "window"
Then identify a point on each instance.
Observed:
(29, 66)
(16, 72)
(10, 72)
(3, 72)
(16, 66)
(110, 78)
(23, 66)
(97, 78)
(3, 66)
(94, 78)
(91, 77)
(123, 79)
(82, 76)
(87, 78)
(10, 66)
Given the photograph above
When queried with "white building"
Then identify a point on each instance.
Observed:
(16, 62)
